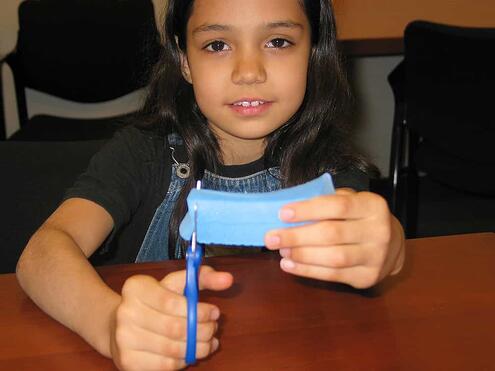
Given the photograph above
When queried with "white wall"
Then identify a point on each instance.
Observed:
(374, 107)
(374, 110)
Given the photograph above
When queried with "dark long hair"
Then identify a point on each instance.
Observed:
(316, 139)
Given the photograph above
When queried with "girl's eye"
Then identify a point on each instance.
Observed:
(217, 46)
(278, 43)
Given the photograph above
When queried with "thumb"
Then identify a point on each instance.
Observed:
(208, 279)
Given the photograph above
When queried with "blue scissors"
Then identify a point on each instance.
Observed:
(194, 255)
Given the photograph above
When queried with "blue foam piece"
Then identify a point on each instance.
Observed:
(242, 219)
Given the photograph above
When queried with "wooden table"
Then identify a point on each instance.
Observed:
(376, 27)
(438, 314)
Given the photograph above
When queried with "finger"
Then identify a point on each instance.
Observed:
(208, 279)
(149, 292)
(342, 205)
(177, 330)
(323, 233)
(359, 277)
(175, 281)
(164, 325)
(203, 349)
(341, 256)
(212, 280)
(141, 360)
(141, 340)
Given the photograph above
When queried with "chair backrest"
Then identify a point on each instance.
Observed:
(450, 79)
(34, 177)
(86, 50)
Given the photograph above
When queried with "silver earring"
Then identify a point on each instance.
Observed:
(183, 170)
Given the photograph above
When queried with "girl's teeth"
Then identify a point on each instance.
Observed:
(255, 103)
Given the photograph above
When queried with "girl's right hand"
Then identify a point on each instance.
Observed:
(149, 330)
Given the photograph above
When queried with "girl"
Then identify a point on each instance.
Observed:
(248, 96)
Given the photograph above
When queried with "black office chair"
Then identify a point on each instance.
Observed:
(87, 51)
(444, 126)
(34, 177)
(3, 126)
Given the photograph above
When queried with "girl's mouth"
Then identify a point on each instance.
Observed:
(250, 106)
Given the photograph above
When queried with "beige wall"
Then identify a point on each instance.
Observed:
(8, 25)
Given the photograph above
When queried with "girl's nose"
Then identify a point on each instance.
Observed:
(249, 69)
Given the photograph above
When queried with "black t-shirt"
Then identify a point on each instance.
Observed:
(129, 177)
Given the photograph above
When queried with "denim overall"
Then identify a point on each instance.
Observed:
(155, 243)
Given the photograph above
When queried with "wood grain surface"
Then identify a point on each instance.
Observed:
(438, 314)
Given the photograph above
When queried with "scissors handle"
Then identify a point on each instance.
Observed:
(191, 291)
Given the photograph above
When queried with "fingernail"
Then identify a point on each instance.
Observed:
(214, 314)
(215, 344)
(286, 214)
(272, 241)
(287, 264)
(285, 253)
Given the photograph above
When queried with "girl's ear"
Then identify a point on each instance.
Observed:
(184, 66)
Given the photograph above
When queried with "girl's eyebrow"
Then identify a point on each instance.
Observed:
(206, 27)
(211, 27)
(284, 24)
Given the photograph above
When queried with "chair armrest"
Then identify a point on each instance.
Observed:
(397, 81)
(19, 91)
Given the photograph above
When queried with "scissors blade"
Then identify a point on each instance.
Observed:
(195, 229)
(194, 237)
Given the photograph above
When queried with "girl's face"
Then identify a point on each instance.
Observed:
(247, 61)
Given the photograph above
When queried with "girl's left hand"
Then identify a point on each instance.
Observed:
(354, 239)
